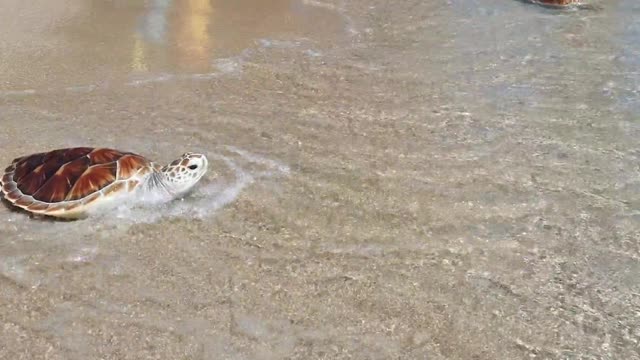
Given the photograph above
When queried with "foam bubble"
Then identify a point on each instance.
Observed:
(228, 65)
(281, 44)
(313, 53)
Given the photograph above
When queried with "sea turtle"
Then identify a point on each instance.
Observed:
(76, 182)
(555, 2)
(562, 4)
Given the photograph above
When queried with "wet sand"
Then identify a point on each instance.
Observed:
(422, 180)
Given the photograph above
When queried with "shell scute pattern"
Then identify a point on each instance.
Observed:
(65, 179)
(94, 178)
(55, 189)
(129, 165)
(38, 206)
(25, 201)
(67, 174)
(101, 156)
(25, 165)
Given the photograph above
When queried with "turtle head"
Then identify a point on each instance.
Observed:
(183, 173)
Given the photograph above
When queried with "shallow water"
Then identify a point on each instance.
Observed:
(442, 180)
(77, 45)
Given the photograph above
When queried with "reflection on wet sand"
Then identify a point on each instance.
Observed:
(186, 23)
(192, 37)
(105, 42)
(138, 60)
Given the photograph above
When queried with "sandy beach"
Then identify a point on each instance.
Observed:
(388, 180)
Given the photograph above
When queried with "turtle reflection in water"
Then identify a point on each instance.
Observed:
(76, 182)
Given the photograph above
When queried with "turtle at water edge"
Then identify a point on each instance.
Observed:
(562, 4)
(76, 182)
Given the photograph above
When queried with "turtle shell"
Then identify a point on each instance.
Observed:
(64, 182)
(554, 3)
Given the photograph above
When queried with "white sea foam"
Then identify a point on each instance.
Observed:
(153, 79)
(81, 88)
(279, 44)
(254, 158)
(229, 65)
(313, 53)
(203, 202)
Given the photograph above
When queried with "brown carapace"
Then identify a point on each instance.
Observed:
(67, 182)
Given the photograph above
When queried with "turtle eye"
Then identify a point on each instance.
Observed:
(193, 167)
